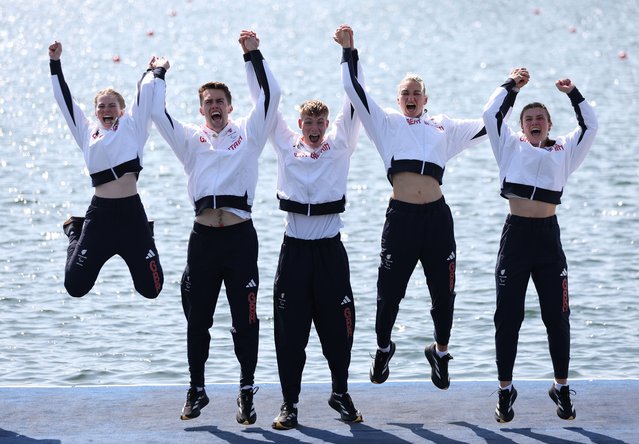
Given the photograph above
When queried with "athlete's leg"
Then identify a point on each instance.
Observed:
(292, 307)
(200, 288)
(87, 253)
(334, 313)
(241, 279)
(398, 258)
(438, 258)
(512, 273)
(138, 250)
(551, 282)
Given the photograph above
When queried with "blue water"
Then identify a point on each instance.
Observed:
(463, 49)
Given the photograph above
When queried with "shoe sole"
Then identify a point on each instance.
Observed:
(279, 426)
(248, 421)
(555, 399)
(384, 376)
(440, 384)
(335, 406)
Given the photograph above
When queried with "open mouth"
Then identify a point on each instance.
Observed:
(314, 138)
(108, 119)
(411, 106)
(216, 115)
(535, 132)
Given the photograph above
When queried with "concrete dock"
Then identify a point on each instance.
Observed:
(394, 412)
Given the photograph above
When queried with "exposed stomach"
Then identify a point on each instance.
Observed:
(531, 208)
(125, 186)
(415, 188)
(216, 217)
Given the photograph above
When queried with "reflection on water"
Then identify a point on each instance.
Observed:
(463, 50)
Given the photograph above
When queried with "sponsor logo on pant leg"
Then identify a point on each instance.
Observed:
(451, 271)
(348, 318)
(387, 261)
(252, 300)
(564, 285)
(153, 266)
(501, 277)
(281, 302)
(81, 258)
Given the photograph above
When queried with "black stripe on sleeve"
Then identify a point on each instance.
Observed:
(575, 99)
(256, 58)
(350, 56)
(56, 69)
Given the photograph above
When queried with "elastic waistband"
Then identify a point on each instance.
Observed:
(295, 240)
(120, 202)
(111, 174)
(318, 209)
(221, 201)
(532, 221)
(405, 206)
(205, 229)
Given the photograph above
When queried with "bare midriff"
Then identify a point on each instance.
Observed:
(216, 217)
(125, 186)
(531, 208)
(415, 188)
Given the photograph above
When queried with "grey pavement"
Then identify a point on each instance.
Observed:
(394, 412)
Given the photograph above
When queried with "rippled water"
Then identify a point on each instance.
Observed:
(463, 49)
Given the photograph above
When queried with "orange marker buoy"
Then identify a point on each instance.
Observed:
(572, 29)
(622, 55)
(150, 33)
(536, 11)
(116, 59)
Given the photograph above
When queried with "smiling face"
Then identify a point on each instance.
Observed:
(535, 123)
(313, 122)
(215, 105)
(109, 107)
(411, 96)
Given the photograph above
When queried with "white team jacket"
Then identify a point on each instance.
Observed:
(105, 149)
(429, 141)
(224, 164)
(536, 173)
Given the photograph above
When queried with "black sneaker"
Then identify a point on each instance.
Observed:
(379, 368)
(344, 405)
(245, 409)
(287, 419)
(195, 400)
(72, 227)
(504, 411)
(439, 367)
(565, 409)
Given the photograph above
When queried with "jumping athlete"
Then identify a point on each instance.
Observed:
(220, 159)
(533, 170)
(312, 282)
(419, 226)
(115, 222)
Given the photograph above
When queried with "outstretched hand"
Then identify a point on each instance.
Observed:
(248, 40)
(55, 50)
(565, 85)
(520, 76)
(344, 36)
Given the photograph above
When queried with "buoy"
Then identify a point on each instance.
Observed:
(173, 13)
(150, 33)
(536, 11)
(622, 55)
(572, 29)
(116, 59)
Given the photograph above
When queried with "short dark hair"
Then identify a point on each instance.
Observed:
(215, 85)
(314, 108)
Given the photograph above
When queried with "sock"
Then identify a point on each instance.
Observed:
(199, 389)
(558, 386)
(246, 387)
(385, 349)
(509, 387)
(440, 353)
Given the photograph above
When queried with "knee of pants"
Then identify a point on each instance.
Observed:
(151, 290)
(75, 288)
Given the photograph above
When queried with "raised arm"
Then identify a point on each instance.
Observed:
(499, 107)
(261, 80)
(372, 116)
(581, 138)
(74, 116)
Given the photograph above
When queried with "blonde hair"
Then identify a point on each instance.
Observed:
(314, 108)
(414, 77)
